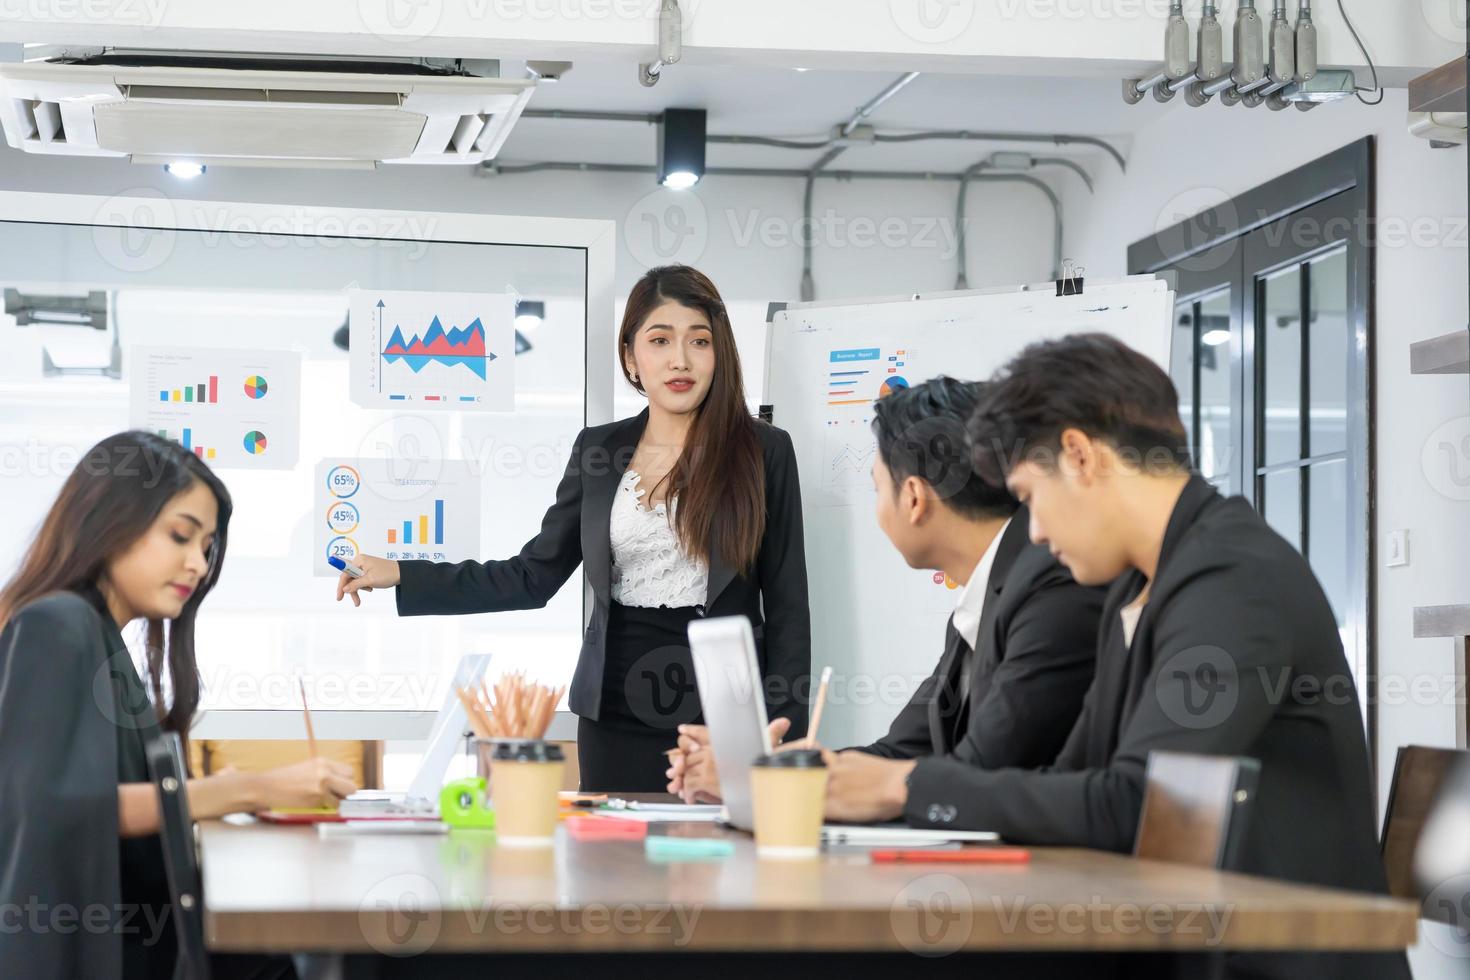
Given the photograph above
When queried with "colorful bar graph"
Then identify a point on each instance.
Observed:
(406, 536)
(205, 392)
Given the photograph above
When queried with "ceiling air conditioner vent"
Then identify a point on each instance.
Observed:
(225, 116)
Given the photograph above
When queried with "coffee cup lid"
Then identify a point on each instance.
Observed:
(792, 759)
(524, 750)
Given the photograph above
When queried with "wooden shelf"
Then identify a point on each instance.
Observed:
(1449, 354)
(1441, 90)
(1441, 621)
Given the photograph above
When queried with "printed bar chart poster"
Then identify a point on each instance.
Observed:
(432, 350)
(234, 409)
(396, 510)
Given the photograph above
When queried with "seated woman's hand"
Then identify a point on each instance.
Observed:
(313, 783)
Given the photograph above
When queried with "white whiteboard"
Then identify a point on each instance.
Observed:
(877, 622)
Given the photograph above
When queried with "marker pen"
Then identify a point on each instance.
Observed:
(352, 570)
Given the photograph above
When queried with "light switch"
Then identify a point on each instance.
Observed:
(1398, 548)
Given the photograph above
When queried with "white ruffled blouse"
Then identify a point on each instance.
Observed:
(649, 567)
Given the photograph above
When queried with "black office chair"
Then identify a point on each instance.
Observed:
(180, 859)
(1195, 808)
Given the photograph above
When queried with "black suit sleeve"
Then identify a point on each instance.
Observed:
(1225, 620)
(1035, 694)
(527, 581)
(58, 792)
(781, 570)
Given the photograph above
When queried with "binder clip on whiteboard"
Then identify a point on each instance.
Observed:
(1071, 282)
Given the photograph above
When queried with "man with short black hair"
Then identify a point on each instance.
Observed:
(1216, 639)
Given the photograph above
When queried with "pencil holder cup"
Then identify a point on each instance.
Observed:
(523, 777)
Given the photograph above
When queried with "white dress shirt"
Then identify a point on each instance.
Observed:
(971, 603)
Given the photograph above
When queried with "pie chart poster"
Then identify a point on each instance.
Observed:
(427, 350)
(234, 409)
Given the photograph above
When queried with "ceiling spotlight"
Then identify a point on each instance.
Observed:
(184, 169)
(529, 314)
(681, 180)
(681, 147)
(1214, 338)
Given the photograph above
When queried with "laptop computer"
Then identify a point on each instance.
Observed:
(733, 701)
(450, 726)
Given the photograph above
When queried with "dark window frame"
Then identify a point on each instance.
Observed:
(1210, 250)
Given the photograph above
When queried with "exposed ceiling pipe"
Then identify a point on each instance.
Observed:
(1059, 139)
(1176, 61)
(976, 173)
(670, 43)
(1306, 58)
(808, 284)
(1281, 43)
(492, 169)
(867, 108)
(1211, 57)
(653, 118)
(810, 176)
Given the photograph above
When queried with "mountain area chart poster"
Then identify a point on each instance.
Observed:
(432, 351)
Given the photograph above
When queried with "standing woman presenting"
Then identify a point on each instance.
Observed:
(689, 509)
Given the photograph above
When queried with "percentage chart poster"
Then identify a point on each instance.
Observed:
(235, 409)
(396, 509)
(433, 350)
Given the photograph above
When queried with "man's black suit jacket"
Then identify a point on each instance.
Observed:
(1032, 666)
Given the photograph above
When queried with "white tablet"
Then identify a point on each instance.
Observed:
(733, 700)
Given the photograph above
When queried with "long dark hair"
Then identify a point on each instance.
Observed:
(719, 479)
(109, 501)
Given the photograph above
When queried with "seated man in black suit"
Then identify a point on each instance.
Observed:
(1216, 639)
(1018, 651)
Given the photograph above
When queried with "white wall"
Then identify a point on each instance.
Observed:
(1191, 160)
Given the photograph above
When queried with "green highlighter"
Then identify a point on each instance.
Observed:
(663, 848)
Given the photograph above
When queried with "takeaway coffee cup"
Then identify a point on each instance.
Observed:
(524, 777)
(789, 790)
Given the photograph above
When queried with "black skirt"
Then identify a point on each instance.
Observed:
(648, 691)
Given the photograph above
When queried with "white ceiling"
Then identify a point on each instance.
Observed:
(793, 104)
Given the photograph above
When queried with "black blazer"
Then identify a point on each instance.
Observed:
(1236, 653)
(1032, 666)
(575, 532)
(74, 716)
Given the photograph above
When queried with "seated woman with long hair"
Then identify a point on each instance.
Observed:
(137, 534)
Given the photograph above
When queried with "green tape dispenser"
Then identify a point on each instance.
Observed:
(462, 805)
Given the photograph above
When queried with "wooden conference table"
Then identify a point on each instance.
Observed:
(287, 889)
